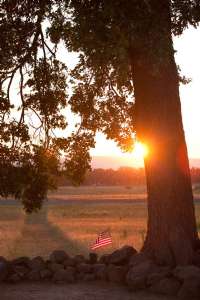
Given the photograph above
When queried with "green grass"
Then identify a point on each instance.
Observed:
(74, 226)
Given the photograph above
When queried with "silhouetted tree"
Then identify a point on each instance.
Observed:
(125, 82)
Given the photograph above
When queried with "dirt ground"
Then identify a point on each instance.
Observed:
(80, 291)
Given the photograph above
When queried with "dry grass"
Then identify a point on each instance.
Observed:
(74, 225)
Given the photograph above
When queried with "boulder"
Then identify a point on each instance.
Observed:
(190, 290)
(122, 256)
(166, 286)
(14, 278)
(116, 274)
(100, 271)
(64, 276)
(58, 256)
(104, 259)
(22, 261)
(161, 273)
(187, 272)
(34, 275)
(78, 259)
(69, 262)
(54, 267)
(21, 270)
(136, 278)
(88, 277)
(85, 268)
(138, 259)
(4, 269)
(37, 263)
(93, 257)
(196, 258)
(46, 274)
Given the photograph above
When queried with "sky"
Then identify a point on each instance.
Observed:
(188, 58)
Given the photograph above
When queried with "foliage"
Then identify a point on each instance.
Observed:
(104, 33)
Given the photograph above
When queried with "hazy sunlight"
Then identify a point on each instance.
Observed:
(140, 150)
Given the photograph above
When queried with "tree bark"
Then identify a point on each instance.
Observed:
(171, 235)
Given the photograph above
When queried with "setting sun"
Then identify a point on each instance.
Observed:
(140, 150)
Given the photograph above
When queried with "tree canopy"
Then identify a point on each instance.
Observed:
(100, 89)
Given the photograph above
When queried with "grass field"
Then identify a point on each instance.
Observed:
(73, 225)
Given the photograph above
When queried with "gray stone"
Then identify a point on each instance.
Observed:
(161, 273)
(4, 269)
(79, 259)
(104, 259)
(34, 275)
(122, 256)
(54, 267)
(187, 272)
(93, 258)
(64, 276)
(46, 274)
(58, 256)
(69, 262)
(116, 274)
(190, 290)
(100, 271)
(136, 278)
(14, 278)
(22, 261)
(37, 263)
(85, 268)
(196, 259)
(21, 270)
(88, 277)
(138, 259)
(166, 286)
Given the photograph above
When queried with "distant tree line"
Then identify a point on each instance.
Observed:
(123, 176)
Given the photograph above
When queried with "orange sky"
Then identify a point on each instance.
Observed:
(188, 57)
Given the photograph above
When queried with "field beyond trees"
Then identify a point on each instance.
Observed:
(73, 217)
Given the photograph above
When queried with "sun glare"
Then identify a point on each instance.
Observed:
(140, 150)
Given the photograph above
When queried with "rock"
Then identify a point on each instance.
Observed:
(190, 290)
(166, 286)
(88, 277)
(136, 278)
(58, 256)
(64, 276)
(161, 273)
(100, 271)
(122, 256)
(138, 259)
(14, 278)
(4, 269)
(116, 274)
(93, 257)
(54, 267)
(22, 261)
(78, 259)
(69, 262)
(34, 275)
(37, 263)
(196, 258)
(45, 274)
(187, 272)
(21, 270)
(85, 268)
(104, 259)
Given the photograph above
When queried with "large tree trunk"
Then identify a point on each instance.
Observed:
(171, 234)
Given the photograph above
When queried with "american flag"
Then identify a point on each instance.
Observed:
(103, 239)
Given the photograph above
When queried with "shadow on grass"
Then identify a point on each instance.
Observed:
(41, 237)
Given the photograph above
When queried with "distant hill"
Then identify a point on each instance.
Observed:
(115, 162)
